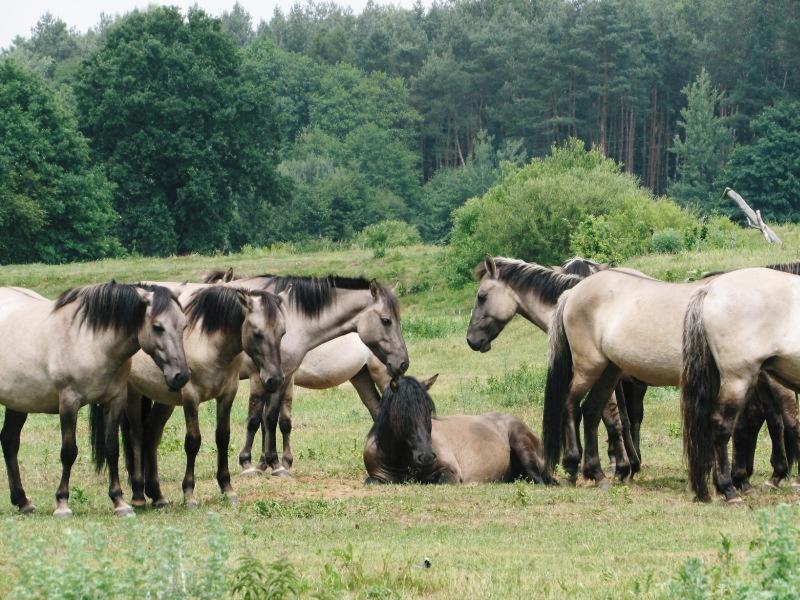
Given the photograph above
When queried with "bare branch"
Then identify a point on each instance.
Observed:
(754, 219)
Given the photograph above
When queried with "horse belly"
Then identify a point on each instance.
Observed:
(650, 353)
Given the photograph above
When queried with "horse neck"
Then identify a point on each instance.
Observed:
(219, 348)
(534, 308)
(340, 317)
(113, 344)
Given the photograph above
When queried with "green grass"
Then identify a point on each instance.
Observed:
(324, 534)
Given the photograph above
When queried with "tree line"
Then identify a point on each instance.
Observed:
(159, 132)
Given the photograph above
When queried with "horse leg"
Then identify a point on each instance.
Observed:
(223, 439)
(191, 444)
(255, 405)
(572, 419)
(367, 391)
(771, 395)
(634, 401)
(745, 438)
(153, 430)
(610, 417)
(731, 399)
(285, 423)
(620, 445)
(134, 438)
(592, 413)
(68, 405)
(112, 413)
(526, 451)
(9, 438)
(791, 431)
(627, 444)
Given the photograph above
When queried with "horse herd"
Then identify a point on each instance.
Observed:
(136, 352)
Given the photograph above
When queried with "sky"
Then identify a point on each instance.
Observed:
(18, 16)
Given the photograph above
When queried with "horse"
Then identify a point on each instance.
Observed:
(509, 287)
(60, 355)
(614, 322)
(408, 442)
(736, 325)
(324, 308)
(223, 322)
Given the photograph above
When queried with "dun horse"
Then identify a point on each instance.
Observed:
(60, 355)
(408, 443)
(223, 323)
(323, 308)
(736, 325)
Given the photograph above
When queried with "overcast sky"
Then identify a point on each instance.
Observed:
(18, 16)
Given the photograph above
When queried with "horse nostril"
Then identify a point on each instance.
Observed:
(404, 366)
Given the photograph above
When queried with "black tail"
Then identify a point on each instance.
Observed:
(97, 433)
(556, 391)
(699, 390)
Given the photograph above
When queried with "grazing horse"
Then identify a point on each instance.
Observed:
(736, 325)
(408, 443)
(223, 322)
(323, 308)
(59, 355)
(509, 287)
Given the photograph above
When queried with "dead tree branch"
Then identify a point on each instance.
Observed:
(754, 219)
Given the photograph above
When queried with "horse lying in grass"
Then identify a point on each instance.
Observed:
(408, 443)
(59, 355)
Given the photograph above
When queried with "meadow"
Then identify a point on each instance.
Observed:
(323, 533)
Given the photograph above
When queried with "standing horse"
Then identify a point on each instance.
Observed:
(59, 355)
(223, 323)
(408, 443)
(509, 287)
(736, 325)
(611, 323)
(323, 308)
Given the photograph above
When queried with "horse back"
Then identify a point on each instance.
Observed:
(476, 443)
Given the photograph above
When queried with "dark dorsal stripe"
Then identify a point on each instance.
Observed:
(312, 295)
(114, 306)
(548, 284)
(217, 308)
(404, 410)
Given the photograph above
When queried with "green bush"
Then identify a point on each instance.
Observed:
(572, 202)
(667, 241)
(388, 234)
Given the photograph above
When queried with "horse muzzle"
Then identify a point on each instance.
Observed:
(424, 460)
(271, 383)
(483, 345)
(396, 371)
(178, 380)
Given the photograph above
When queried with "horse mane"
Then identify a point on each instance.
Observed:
(116, 306)
(582, 267)
(312, 295)
(403, 409)
(218, 308)
(544, 281)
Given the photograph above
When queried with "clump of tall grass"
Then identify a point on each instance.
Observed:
(523, 386)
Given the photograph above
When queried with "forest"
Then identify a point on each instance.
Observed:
(159, 132)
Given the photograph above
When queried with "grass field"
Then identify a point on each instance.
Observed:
(337, 538)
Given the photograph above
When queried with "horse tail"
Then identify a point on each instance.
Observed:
(700, 383)
(559, 378)
(97, 434)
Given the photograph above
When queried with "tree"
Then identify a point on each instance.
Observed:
(702, 152)
(238, 24)
(187, 132)
(54, 206)
(766, 172)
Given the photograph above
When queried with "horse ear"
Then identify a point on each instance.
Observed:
(145, 295)
(284, 295)
(428, 383)
(228, 275)
(491, 267)
(244, 298)
(374, 288)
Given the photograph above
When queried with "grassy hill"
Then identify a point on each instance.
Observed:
(327, 534)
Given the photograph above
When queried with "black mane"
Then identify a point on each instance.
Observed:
(530, 276)
(217, 308)
(582, 267)
(793, 268)
(312, 295)
(115, 306)
(405, 409)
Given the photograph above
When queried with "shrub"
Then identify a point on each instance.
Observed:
(573, 201)
(388, 234)
(667, 241)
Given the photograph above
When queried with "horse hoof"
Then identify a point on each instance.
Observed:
(192, 504)
(124, 511)
(160, 503)
(282, 472)
(62, 513)
(770, 486)
(138, 503)
(604, 484)
(233, 499)
(795, 485)
(734, 500)
(749, 490)
(251, 472)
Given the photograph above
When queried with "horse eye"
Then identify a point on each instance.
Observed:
(258, 335)
(481, 298)
(158, 328)
(386, 321)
